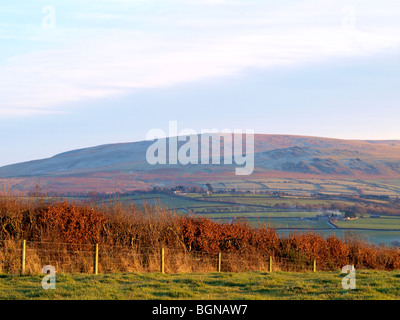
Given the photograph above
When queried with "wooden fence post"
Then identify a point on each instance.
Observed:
(315, 265)
(162, 261)
(23, 256)
(270, 264)
(219, 261)
(96, 259)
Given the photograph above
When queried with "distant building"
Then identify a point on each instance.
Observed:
(375, 216)
(330, 215)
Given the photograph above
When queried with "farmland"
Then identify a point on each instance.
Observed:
(148, 252)
(371, 285)
(381, 223)
(289, 210)
(307, 186)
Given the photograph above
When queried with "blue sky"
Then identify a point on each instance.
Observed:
(75, 74)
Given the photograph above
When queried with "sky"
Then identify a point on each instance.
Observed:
(76, 74)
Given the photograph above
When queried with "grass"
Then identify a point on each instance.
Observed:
(262, 214)
(281, 223)
(290, 223)
(266, 200)
(385, 187)
(392, 223)
(158, 198)
(376, 285)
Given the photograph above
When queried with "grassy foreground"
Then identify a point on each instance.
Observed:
(376, 285)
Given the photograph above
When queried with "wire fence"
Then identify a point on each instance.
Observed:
(29, 257)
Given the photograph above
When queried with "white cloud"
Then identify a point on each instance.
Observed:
(98, 63)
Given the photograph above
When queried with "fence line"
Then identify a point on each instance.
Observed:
(23, 257)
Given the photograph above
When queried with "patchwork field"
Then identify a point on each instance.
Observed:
(308, 186)
(288, 212)
(381, 223)
(283, 223)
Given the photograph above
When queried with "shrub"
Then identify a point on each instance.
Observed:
(132, 236)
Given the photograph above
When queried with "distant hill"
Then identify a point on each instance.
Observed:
(123, 166)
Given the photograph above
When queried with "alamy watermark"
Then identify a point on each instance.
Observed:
(185, 147)
(49, 18)
(49, 281)
(349, 281)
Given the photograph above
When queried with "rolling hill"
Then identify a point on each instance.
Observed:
(123, 166)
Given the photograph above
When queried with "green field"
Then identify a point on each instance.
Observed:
(259, 209)
(307, 186)
(283, 223)
(391, 223)
(172, 202)
(211, 286)
(262, 214)
(221, 201)
(291, 223)
(263, 200)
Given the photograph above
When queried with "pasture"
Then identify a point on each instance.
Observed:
(317, 185)
(261, 209)
(370, 285)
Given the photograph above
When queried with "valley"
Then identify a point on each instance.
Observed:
(373, 218)
(297, 181)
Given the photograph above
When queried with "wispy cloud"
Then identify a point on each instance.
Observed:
(166, 48)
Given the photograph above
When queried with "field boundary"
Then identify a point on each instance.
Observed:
(29, 257)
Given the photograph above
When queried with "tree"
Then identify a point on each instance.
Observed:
(349, 214)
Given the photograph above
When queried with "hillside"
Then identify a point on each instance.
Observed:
(123, 166)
